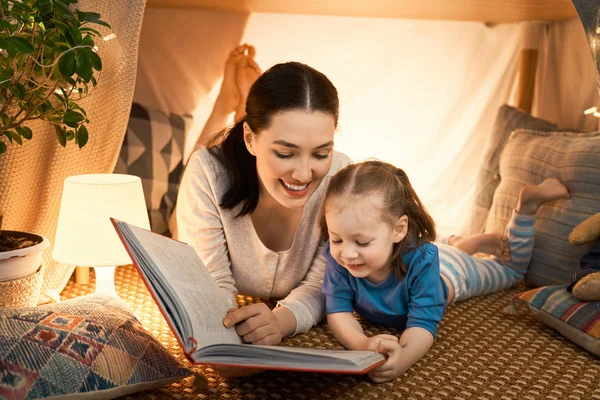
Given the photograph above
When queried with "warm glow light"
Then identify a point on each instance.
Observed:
(85, 236)
(590, 110)
(388, 88)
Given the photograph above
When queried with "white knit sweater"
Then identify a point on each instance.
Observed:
(235, 256)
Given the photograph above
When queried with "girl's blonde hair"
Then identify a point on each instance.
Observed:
(376, 178)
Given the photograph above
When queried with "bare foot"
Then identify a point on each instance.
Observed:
(247, 73)
(495, 244)
(229, 97)
(533, 196)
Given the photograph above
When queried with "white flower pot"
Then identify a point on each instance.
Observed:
(15, 264)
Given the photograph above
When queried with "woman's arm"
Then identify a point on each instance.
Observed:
(200, 225)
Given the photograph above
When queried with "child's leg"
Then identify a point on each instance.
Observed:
(473, 276)
(494, 244)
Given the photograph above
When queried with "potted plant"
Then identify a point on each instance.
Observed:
(48, 62)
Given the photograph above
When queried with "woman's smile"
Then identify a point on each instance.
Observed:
(294, 190)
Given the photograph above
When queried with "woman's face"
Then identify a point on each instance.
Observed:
(293, 155)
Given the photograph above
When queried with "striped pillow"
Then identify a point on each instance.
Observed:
(577, 320)
(507, 120)
(530, 157)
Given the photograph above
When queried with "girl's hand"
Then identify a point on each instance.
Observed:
(255, 323)
(393, 367)
(372, 343)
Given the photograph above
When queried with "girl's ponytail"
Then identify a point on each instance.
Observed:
(425, 226)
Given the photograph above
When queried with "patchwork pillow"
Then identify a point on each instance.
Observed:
(76, 347)
(507, 120)
(530, 157)
(577, 320)
(153, 150)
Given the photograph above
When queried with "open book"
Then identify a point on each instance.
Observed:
(194, 307)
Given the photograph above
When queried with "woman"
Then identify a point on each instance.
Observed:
(249, 203)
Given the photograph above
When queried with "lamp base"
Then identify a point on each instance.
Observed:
(105, 281)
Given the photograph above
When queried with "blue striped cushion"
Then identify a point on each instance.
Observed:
(577, 320)
(530, 157)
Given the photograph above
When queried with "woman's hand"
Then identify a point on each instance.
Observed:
(255, 323)
(393, 367)
(372, 343)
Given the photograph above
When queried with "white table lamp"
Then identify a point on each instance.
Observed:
(85, 236)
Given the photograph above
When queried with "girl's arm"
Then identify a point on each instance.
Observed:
(414, 344)
(349, 333)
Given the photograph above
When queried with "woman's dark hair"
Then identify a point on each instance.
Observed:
(379, 179)
(283, 87)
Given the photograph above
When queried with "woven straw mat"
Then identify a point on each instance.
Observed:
(480, 353)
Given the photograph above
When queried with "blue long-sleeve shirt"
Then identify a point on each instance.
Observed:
(417, 300)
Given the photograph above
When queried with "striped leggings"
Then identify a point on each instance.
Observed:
(474, 276)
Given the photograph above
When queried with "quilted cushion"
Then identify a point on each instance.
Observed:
(530, 157)
(89, 347)
(577, 320)
(153, 150)
(507, 120)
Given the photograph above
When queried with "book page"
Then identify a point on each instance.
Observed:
(194, 287)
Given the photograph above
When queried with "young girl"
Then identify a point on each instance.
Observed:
(381, 262)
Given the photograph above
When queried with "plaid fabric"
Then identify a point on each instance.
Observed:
(558, 302)
(530, 157)
(507, 120)
(83, 345)
(153, 150)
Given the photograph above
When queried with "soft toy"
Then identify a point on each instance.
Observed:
(586, 282)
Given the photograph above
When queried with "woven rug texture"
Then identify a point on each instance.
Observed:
(481, 352)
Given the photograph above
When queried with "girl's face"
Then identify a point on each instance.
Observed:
(293, 155)
(360, 240)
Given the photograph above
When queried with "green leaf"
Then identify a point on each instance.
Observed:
(83, 65)
(73, 116)
(63, 7)
(88, 40)
(75, 106)
(70, 135)
(5, 24)
(6, 76)
(95, 60)
(90, 30)
(18, 90)
(73, 36)
(2, 147)
(60, 135)
(12, 135)
(24, 131)
(88, 16)
(82, 136)
(20, 44)
(66, 65)
(100, 22)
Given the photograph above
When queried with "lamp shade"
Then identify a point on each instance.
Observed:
(85, 236)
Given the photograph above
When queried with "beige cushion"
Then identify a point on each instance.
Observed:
(530, 157)
(507, 120)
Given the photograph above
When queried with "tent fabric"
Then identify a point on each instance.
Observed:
(420, 94)
(32, 175)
